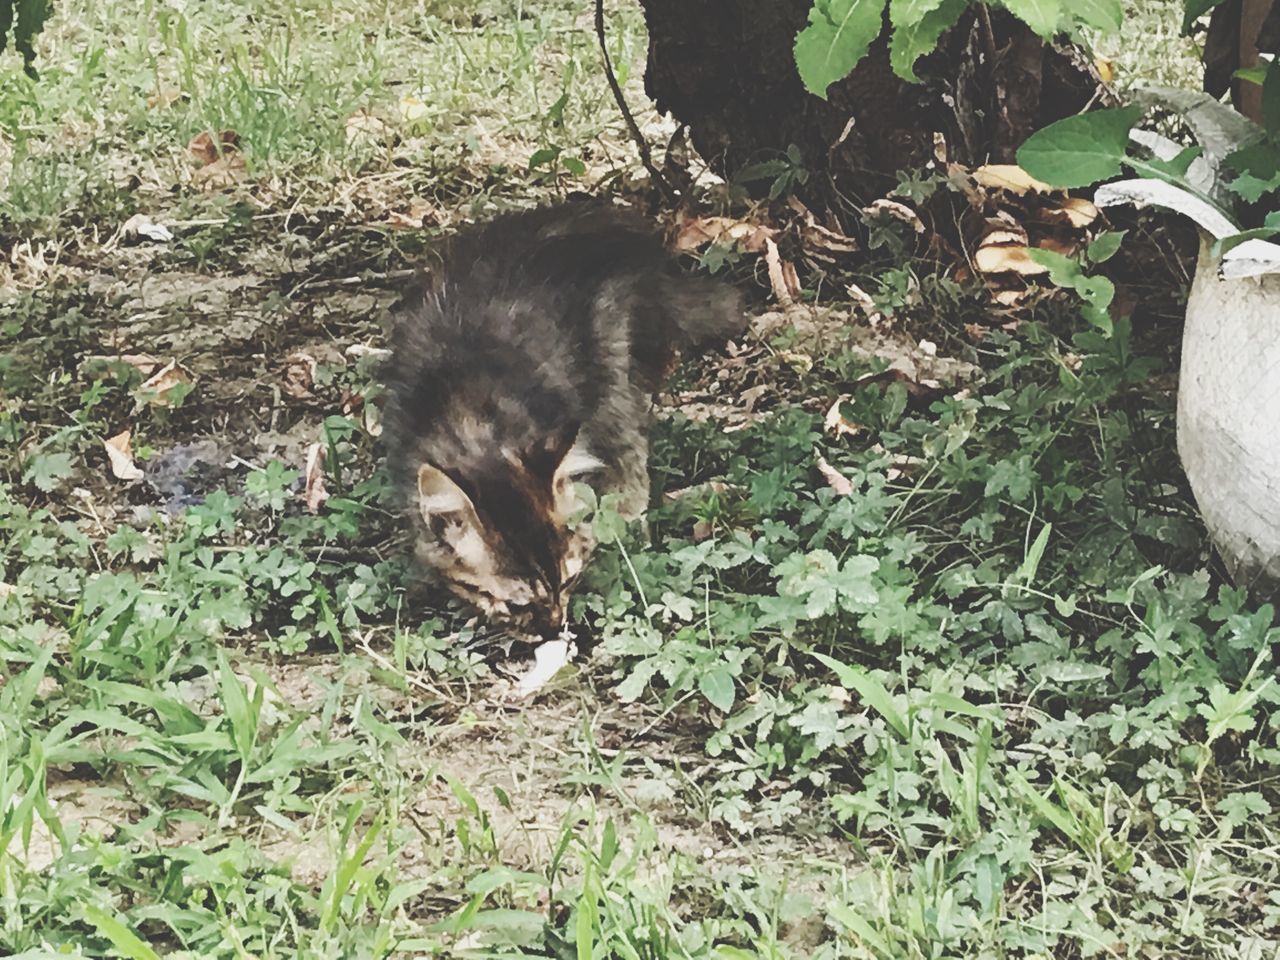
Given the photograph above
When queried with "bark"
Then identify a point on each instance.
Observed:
(725, 68)
(1238, 30)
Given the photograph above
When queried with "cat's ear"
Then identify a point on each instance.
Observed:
(440, 497)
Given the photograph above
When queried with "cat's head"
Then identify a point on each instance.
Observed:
(497, 530)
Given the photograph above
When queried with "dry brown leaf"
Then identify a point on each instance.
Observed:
(221, 174)
(1075, 212)
(163, 96)
(820, 241)
(412, 109)
(861, 298)
(120, 455)
(900, 465)
(711, 486)
(697, 232)
(299, 374)
(799, 361)
(206, 148)
(899, 211)
(359, 350)
(837, 423)
(782, 275)
(1000, 258)
(1010, 298)
(836, 480)
(372, 415)
(1003, 237)
(1106, 70)
(420, 213)
(1055, 245)
(976, 330)
(366, 130)
(315, 491)
(157, 388)
(142, 226)
(1011, 177)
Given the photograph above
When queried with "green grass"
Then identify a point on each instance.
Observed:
(995, 703)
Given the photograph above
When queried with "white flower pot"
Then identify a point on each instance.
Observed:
(1229, 418)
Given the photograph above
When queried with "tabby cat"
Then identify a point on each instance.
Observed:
(526, 364)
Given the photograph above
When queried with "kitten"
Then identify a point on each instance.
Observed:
(526, 364)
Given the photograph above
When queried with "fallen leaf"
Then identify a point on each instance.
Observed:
(698, 489)
(695, 233)
(837, 423)
(221, 174)
(120, 454)
(420, 212)
(1004, 237)
(206, 148)
(314, 490)
(1055, 245)
(999, 258)
(899, 211)
(860, 297)
(1106, 71)
(412, 109)
(366, 130)
(139, 225)
(836, 480)
(157, 388)
(548, 658)
(796, 360)
(364, 350)
(163, 96)
(782, 275)
(1011, 177)
(900, 465)
(1009, 297)
(976, 330)
(820, 241)
(372, 415)
(1074, 212)
(299, 374)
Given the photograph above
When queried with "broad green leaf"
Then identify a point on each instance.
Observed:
(716, 685)
(1105, 15)
(1105, 245)
(856, 924)
(837, 37)
(1066, 272)
(48, 470)
(121, 937)
(1040, 15)
(1257, 168)
(1081, 150)
(1031, 563)
(1269, 228)
(1193, 10)
(915, 34)
(871, 690)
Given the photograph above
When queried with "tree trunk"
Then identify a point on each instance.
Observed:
(725, 68)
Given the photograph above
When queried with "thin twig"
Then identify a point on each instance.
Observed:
(646, 157)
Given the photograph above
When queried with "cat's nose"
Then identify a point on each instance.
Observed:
(551, 623)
